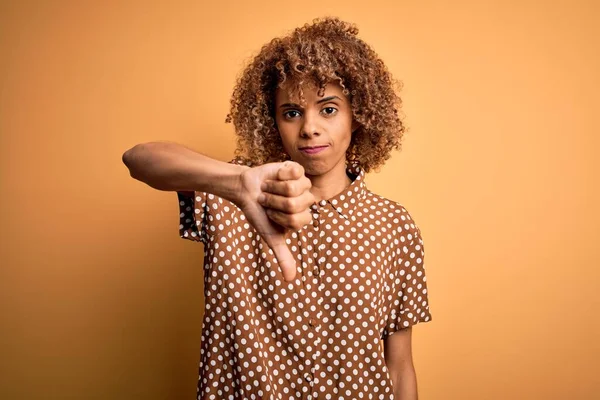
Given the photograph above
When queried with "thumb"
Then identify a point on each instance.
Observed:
(284, 256)
(286, 170)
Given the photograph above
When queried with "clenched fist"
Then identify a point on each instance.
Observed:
(276, 198)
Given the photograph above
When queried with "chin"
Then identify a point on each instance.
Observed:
(314, 168)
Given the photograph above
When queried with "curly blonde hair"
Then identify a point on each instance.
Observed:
(325, 51)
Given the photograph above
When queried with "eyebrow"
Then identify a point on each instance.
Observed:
(323, 100)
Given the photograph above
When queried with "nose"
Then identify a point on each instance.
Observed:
(309, 126)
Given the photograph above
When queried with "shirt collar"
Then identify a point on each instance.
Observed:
(345, 202)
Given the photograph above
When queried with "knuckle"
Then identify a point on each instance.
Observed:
(299, 223)
(288, 204)
(289, 221)
(309, 200)
(290, 188)
(307, 183)
(266, 200)
(296, 222)
(299, 206)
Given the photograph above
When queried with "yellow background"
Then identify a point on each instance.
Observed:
(100, 299)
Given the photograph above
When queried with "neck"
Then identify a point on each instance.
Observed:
(330, 184)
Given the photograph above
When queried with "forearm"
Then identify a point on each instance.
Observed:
(405, 384)
(173, 167)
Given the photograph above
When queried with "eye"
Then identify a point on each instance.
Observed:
(330, 110)
(290, 114)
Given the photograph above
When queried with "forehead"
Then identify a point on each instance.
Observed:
(288, 92)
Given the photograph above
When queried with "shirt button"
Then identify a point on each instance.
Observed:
(316, 223)
(311, 322)
(308, 377)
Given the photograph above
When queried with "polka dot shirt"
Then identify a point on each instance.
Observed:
(360, 278)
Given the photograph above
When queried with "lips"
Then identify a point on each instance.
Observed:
(313, 149)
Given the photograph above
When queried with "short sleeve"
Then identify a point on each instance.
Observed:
(195, 210)
(409, 302)
(193, 216)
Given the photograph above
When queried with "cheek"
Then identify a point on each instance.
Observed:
(346, 134)
(286, 137)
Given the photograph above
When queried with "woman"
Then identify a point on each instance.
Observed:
(312, 282)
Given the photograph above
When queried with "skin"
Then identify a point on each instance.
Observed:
(398, 359)
(325, 120)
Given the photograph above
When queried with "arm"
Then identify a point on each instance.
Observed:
(398, 359)
(273, 197)
(173, 167)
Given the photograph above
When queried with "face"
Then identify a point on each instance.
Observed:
(317, 133)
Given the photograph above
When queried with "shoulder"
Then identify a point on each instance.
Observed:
(396, 216)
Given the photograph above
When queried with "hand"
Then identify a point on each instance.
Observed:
(275, 198)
